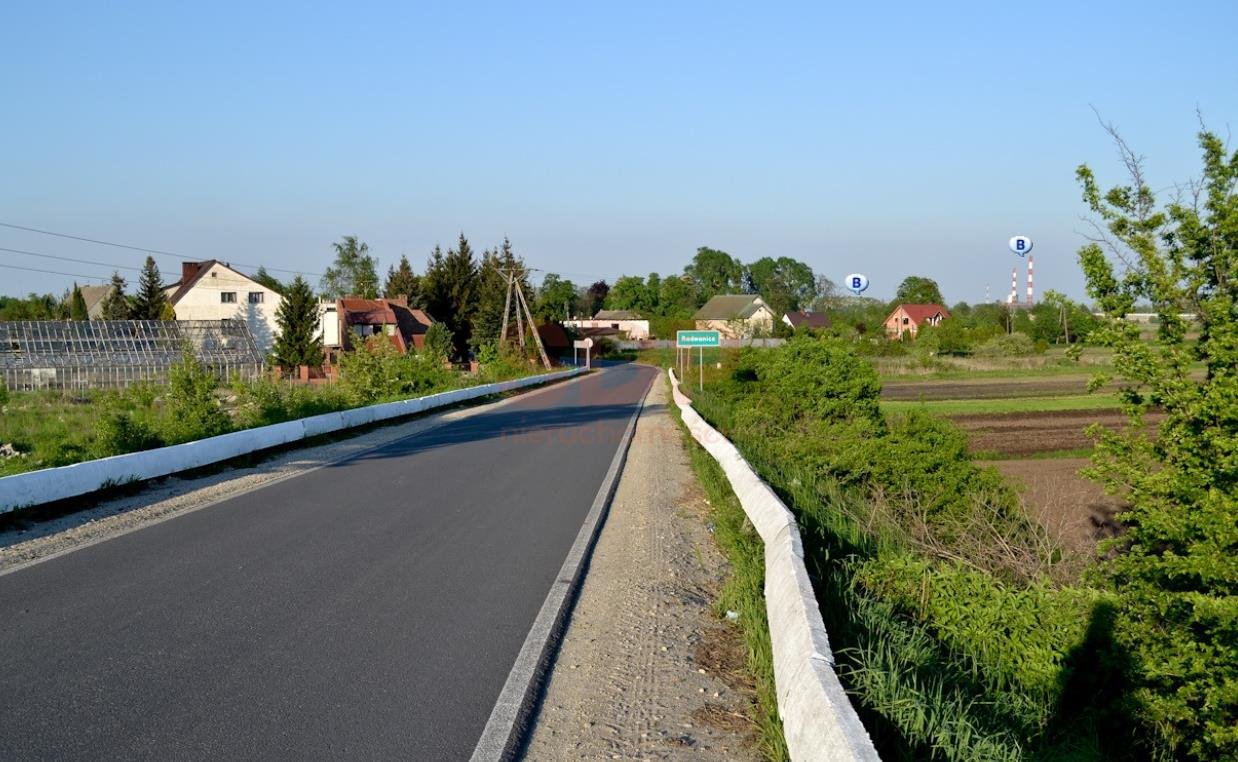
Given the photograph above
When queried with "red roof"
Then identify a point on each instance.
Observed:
(918, 313)
(411, 324)
(366, 312)
(808, 319)
(553, 336)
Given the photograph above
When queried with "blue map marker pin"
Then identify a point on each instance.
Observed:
(857, 283)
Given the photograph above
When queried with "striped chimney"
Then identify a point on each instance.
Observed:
(1014, 286)
(1031, 292)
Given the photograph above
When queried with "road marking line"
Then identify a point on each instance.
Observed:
(505, 730)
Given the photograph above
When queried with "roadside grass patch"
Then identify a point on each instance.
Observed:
(48, 429)
(960, 626)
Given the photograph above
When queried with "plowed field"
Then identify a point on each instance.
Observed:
(1021, 434)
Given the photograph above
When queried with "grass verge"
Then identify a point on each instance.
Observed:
(1005, 404)
(1077, 452)
(744, 588)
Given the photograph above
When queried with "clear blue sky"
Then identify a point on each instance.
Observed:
(892, 139)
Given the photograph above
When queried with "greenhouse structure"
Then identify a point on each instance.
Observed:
(111, 354)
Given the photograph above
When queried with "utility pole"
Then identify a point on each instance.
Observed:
(533, 327)
(522, 311)
(507, 304)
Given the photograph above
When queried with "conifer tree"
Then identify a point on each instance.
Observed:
(149, 301)
(450, 290)
(492, 293)
(298, 342)
(77, 305)
(116, 305)
(402, 281)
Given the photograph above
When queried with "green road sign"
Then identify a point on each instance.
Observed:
(698, 339)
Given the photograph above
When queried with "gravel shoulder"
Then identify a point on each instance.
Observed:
(645, 669)
(30, 541)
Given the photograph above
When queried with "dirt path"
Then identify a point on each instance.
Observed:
(646, 671)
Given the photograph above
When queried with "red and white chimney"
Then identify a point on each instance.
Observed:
(1014, 286)
(1031, 291)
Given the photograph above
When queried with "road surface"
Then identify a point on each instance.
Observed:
(372, 608)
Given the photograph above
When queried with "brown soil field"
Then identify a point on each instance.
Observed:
(1017, 434)
(1076, 511)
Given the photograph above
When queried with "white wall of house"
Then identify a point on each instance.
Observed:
(222, 294)
(635, 330)
(328, 323)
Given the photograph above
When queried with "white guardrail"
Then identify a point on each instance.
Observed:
(818, 720)
(35, 487)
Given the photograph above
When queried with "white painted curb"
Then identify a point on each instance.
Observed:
(35, 487)
(818, 720)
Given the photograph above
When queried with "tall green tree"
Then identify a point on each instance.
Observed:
(354, 273)
(402, 281)
(827, 295)
(784, 283)
(1177, 569)
(556, 299)
(714, 272)
(595, 297)
(451, 288)
(629, 293)
(269, 280)
(492, 293)
(917, 289)
(77, 305)
(116, 303)
(298, 342)
(149, 301)
(676, 298)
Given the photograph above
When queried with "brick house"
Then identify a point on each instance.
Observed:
(907, 319)
(340, 319)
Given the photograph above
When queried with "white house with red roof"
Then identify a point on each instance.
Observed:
(908, 318)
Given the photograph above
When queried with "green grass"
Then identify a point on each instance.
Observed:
(744, 588)
(1006, 405)
(1077, 452)
(50, 429)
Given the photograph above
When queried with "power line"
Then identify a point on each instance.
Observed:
(54, 272)
(142, 249)
(71, 259)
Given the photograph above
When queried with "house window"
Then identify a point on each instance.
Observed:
(255, 297)
(905, 321)
(227, 297)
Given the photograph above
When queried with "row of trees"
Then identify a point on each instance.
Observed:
(1054, 320)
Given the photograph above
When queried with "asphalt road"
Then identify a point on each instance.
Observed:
(372, 608)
